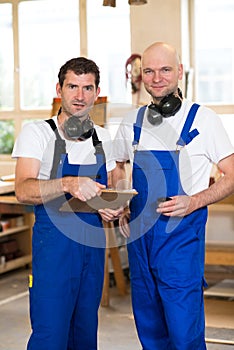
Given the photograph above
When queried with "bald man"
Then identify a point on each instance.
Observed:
(171, 144)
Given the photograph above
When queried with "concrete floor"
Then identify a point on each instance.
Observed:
(116, 324)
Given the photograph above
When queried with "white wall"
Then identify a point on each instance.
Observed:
(158, 20)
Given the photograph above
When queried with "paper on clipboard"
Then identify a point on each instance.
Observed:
(112, 199)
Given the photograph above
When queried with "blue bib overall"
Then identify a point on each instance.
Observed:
(166, 255)
(68, 265)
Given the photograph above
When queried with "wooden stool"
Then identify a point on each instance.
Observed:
(113, 250)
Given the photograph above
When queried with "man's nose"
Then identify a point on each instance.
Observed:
(79, 94)
(156, 76)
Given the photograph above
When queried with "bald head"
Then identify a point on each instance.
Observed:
(161, 70)
(161, 49)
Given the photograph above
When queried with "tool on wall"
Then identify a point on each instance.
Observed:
(133, 73)
(112, 3)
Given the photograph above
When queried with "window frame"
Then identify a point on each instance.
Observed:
(218, 108)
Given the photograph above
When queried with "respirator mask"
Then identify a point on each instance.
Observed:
(76, 129)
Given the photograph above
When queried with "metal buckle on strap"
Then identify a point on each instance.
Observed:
(179, 148)
(135, 147)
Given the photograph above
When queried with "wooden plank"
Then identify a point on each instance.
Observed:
(105, 292)
(116, 262)
(113, 250)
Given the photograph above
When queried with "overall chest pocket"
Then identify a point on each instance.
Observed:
(150, 161)
(155, 175)
(151, 171)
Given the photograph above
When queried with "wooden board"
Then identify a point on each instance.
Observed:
(112, 199)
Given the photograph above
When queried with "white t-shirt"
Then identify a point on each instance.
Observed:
(196, 159)
(36, 140)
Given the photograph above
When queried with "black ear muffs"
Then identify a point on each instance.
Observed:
(167, 107)
(76, 129)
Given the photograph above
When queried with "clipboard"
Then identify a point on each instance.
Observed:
(110, 198)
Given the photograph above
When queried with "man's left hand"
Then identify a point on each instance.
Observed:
(177, 206)
(110, 214)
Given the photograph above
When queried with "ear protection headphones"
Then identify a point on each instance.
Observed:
(76, 129)
(167, 107)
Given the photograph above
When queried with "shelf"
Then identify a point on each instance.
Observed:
(15, 263)
(13, 230)
(22, 234)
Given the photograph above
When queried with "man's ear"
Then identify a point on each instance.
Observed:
(97, 93)
(58, 90)
(181, 70)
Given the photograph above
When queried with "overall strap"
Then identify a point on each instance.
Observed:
(97, 143)
(137, 126)
(54, 128)
(187, 136)
(59, 148)
(101, 175)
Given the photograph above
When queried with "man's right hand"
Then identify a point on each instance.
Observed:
(82, 188)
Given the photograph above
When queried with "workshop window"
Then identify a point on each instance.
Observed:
(6, 136)
(38, 36)
(48, 36)
(6, 58)
(214, 51)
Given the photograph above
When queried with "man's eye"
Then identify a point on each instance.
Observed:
(148, 71)
(89, 88)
